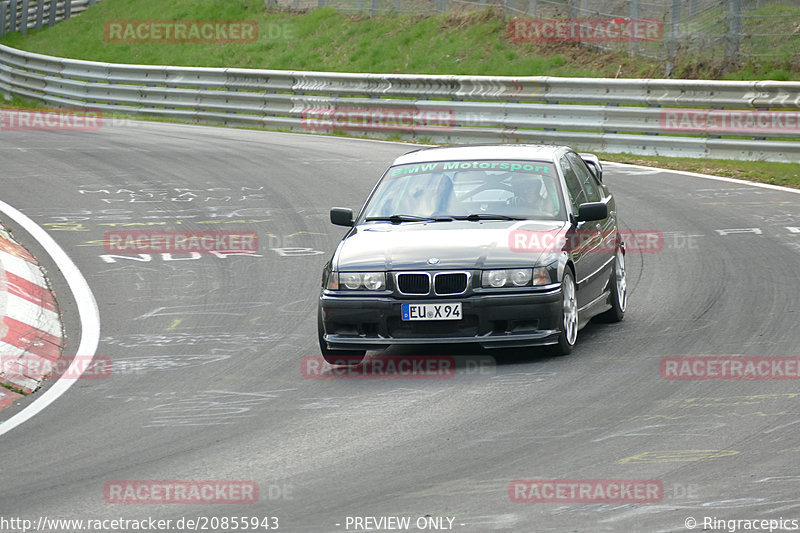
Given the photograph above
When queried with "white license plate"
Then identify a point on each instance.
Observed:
(448, 311)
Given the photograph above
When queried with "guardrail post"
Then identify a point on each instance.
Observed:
(532, 8)
(507, 7)
(573, 9)
(67, 9)
(39, 13)
(92, 2)
(375, 7)
(51, 21)
(23, 22)
(734, 30)
(12, 16)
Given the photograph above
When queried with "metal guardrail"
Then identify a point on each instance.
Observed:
(610, 115)
(23, 15)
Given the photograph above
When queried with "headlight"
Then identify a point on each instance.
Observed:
(520, 277)
(515, 277)
(354, 281)
(350, 280)
(495, 278)
(374, 281)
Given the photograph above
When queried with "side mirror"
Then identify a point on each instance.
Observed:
(592, 211)
(594, 165)
(341, 216)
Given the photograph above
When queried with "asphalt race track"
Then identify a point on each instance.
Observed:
(206, 352)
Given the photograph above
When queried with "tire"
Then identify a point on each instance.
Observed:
(336, 357)
(569, 316)
(619, 290)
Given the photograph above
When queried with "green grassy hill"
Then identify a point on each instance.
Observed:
(476, 43)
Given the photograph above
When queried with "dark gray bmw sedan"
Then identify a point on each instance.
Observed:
(499, 245)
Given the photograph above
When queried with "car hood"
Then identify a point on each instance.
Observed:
(456, 245)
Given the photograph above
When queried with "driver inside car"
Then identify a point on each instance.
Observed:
(529, 193)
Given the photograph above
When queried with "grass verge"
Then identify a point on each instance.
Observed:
(784, 174)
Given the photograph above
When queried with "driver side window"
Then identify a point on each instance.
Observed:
(576, 194)
(585, 177)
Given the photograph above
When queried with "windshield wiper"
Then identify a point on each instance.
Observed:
(488, 216)
(397, 219)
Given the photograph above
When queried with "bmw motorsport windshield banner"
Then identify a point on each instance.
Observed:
(442, 166)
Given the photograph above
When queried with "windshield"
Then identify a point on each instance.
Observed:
(463, 189)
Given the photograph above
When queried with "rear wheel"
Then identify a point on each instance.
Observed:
(569, 316)
(336, 357)
(619, 291)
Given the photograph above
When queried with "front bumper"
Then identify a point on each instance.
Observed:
(491, 320)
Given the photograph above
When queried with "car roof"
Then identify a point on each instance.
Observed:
(534, 152)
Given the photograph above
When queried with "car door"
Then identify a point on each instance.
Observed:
(595, 192)
(589, 250)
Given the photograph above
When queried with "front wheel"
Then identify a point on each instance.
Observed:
(569, 313)
(336, 357)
